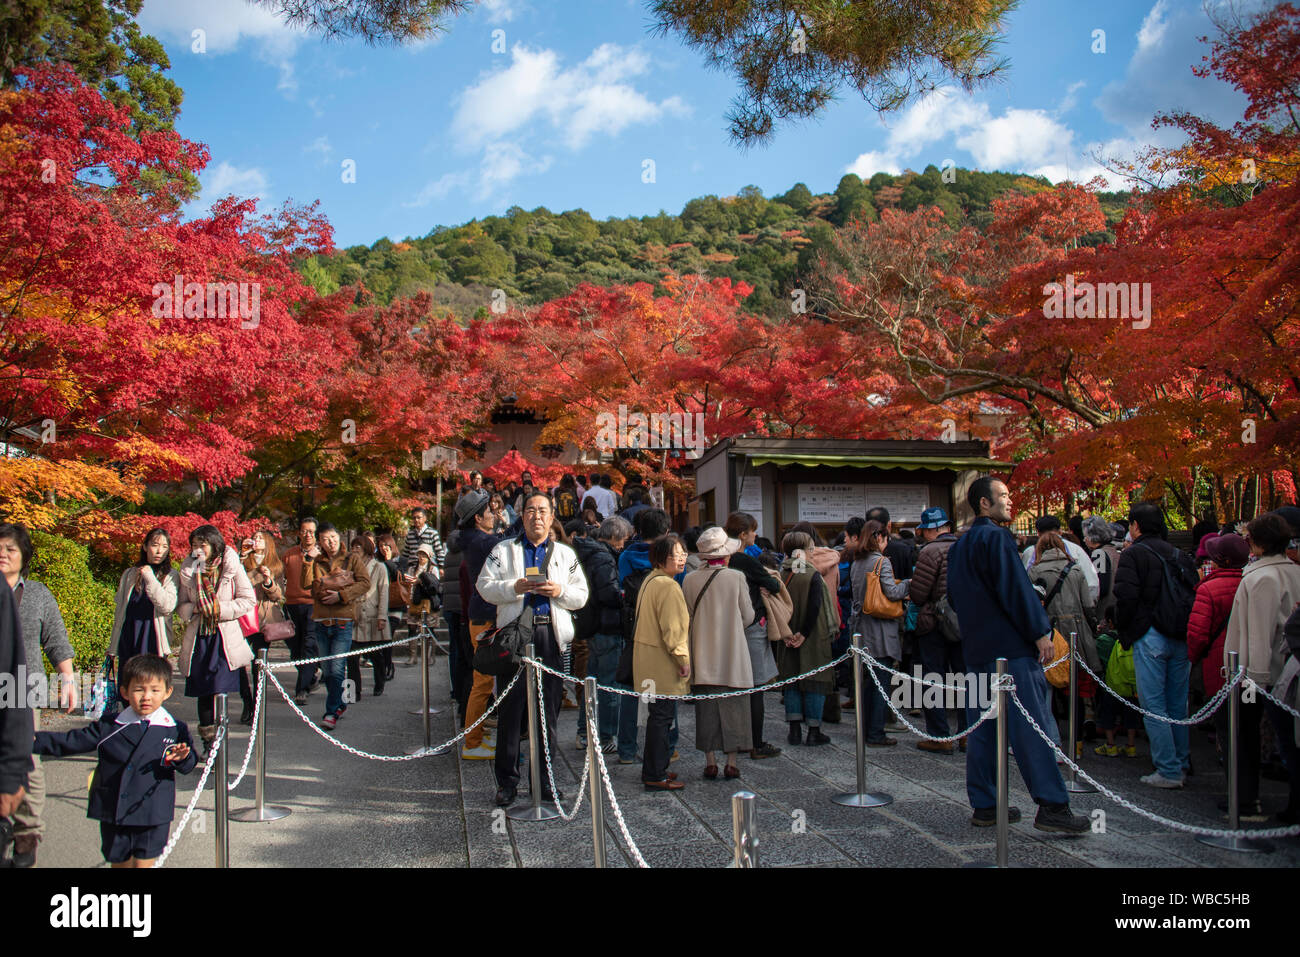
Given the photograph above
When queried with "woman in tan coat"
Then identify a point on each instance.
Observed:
(718, 599)
(661, 660)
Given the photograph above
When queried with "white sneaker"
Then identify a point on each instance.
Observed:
(481, 753)
(1157, 780)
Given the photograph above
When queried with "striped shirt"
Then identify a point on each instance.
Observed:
(425, 536)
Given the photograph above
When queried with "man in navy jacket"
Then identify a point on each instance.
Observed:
(1001, 617)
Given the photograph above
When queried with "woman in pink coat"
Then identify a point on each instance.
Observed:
(215, 594)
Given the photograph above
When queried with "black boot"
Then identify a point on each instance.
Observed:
(815, 736)
(795, 736)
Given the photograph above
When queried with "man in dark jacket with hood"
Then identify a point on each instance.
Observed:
(1159, 660)
(1001, 617)
(939, 655)
(600, 624)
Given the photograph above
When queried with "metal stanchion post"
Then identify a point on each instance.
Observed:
(861, 797)
(535, 811)
(744, 828)
(259, 811)
(593, 772)
(1002, 817)
(1073, 784)
(1246, 845)
(221, 772)
(425, 710)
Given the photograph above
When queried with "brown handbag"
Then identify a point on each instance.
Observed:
(399, 593)
(874, 602)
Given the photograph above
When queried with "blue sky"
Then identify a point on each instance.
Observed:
(581, 96)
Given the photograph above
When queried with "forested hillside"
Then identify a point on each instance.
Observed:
(767, 242)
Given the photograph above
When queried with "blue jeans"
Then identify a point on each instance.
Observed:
(1035, 759)
(1162, 676)
(602, 662)
(804, 706)
(334, 639)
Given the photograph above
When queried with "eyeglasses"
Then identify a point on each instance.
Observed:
(537, 511)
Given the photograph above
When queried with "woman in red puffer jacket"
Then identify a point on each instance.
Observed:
(1208, 625)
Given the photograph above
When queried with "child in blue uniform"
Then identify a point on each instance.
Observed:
(133, 792)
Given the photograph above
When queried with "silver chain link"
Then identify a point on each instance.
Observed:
(989, 712)
(618, 812)
(1061, 757)
(391, 757)
(1207, 709)
(194, 800)
(689, 697)
(252, 735)
(283, 665)
(1284, 707)
(550, 772)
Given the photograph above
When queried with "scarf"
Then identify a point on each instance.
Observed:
(206, 580)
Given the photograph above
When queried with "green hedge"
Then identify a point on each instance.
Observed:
(63, 566)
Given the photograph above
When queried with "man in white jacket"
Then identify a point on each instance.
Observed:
(504, 582)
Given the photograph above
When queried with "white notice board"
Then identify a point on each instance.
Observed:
(750, 498)
(837, 502)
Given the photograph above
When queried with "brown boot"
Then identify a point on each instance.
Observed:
(938, 747)
(25, 850)
(207, 734)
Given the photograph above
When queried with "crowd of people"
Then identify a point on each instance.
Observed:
(604, 587)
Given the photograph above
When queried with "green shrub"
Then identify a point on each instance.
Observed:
(63, 567)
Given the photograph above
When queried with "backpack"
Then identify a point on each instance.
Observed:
(944, 613)
(631, 588)
(566, 505)
(1173, 605)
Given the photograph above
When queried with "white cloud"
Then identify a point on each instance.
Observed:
(225, 179)
(1017, 138)
(322, 146)
(1071, 97)
(1158, 77)
(870, 163)
(226, 24)
(576, 102)
(501, 11)
(440, 188)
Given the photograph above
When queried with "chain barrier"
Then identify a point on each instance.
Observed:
(1280, 704)
(1123, 802)
(391, 757)
(550, 771)
(618, 812)
(1207, 709)
(687, 697)
(252, 735)
(990, 712)
(368, 649)
(194, 800)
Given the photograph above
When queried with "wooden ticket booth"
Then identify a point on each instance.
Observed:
(827, 481)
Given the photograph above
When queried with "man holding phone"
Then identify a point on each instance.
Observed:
(531, 571)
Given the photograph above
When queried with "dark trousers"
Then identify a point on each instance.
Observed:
(942, 657)
(654, 767)
(1033, 755)
(1248, 751)
(460, 660)
(377, 661)
(755, 716)
(302, 644)
(207, 709)
(1284, 725)
(257, 643)
(513, 711)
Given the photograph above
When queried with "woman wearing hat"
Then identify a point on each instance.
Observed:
(720, 609)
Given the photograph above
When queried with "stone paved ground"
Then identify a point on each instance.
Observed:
(437, 811)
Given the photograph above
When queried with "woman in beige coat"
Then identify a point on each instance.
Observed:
(215, 593)
(718, 599)
(370, 619)
(661, 660)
